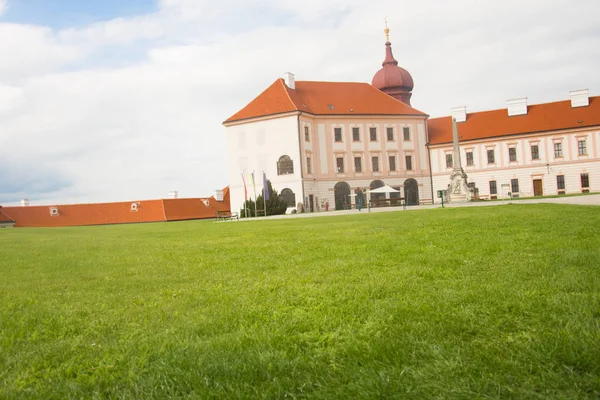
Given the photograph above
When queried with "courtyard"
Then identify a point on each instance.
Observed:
(494, 302)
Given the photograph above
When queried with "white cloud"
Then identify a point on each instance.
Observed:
(2, 6)
(132, 108)
(27, 50)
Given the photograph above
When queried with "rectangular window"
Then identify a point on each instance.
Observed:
(560, 182)
(406, 131)
(581, 148)
(512, 154)
(338, 134)
(493, 188)
(585, 181)
(409, 163)
(514, 185)
(357, 164)
(373, 134)
(375, 162)
(390, 134)
(340, 164)
(491, 156)
(448, 160)
(557, 150)
(306, 135)
(392, 163)
(535, 152)
(356, 134)
(308, 166)
(469, 158)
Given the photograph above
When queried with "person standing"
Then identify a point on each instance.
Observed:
(359, 198)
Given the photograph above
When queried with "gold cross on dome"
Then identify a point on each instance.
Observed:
(387, 31)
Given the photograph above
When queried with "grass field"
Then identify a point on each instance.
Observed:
(478, 302)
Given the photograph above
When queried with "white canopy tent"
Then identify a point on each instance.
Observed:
(384, 189)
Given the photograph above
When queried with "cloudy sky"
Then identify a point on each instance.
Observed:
(109, 100)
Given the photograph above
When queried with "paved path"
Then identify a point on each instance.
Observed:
(593, 199)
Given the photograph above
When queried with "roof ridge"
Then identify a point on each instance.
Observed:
(341, 82)
(504, 108)
(162, 204)
(285, 89)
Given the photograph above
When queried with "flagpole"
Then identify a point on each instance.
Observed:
(255, 198)
(265, 191)
(245, 193)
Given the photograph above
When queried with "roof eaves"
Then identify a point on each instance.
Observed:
(518, 133)
(291, 112)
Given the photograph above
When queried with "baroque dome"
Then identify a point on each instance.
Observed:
(392, 79)
(391, 75)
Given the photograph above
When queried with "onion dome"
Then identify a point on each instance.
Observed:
(392, 79)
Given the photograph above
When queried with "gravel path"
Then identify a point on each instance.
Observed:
(593, 199)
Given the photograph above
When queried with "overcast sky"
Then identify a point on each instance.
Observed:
(106, 101)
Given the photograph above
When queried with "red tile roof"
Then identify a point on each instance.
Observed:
(183, 209)
(323, 98)
(539, 118)
(5, 218)
(117, 213)
(87, 214)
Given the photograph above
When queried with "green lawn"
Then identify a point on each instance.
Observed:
(477, 302)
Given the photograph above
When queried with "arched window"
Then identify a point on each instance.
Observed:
(285, 165)
(289, 197)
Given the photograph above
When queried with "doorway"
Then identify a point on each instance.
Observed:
(411, 192)
(341, 192)
(538, 187)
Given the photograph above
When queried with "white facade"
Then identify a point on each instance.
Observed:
(257, 146)
(559, 153)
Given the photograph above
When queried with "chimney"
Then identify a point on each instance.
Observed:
(459, 113)
(174, 194)
(25, 203)
(219, 195)
(580, 98)
(290, 80)
(517, 106)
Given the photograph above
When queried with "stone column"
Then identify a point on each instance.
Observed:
(459, 190)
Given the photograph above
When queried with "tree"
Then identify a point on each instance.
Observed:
(275, 205)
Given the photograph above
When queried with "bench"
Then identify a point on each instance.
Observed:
(227, 216)
(261, 213)
(425, 201)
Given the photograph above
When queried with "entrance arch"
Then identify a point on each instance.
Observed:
(341, 192)
(376, 184)
(411, 192)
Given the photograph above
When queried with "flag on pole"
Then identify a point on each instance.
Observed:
(255, 198)
(245, 189)
(252, 181)
(265, 186)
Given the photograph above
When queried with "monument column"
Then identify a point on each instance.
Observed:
(458, 190)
